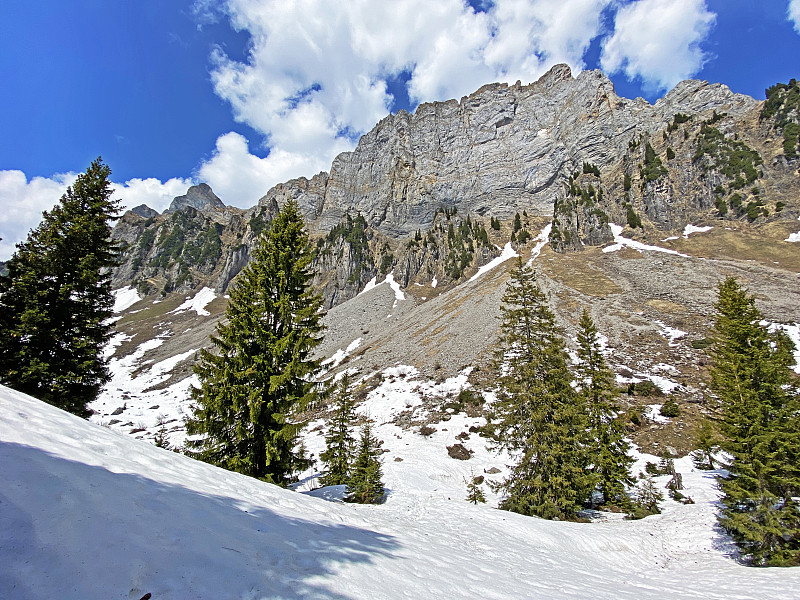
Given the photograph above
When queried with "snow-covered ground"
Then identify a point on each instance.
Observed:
(623, 242)
(88, 513)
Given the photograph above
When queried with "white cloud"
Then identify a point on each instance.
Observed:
(240, 178)
(23, 201)
(658, 40)
(793, 14)
(317, 71)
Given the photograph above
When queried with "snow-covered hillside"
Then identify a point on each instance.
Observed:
(88, 513)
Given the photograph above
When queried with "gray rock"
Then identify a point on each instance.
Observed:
(200, 197)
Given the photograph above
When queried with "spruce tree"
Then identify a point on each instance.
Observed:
(607, 445)
(365, 485)
(259, 376)
(56, 299)
(759, 395)
(538, 418)
(339, 441)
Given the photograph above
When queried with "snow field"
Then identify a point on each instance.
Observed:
(87, 513)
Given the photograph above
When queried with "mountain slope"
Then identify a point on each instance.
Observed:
(87, 513)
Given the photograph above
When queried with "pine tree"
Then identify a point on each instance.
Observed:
(707, 444)
(759, 395)
(259, 377)
(56, 299)
(538, 417)
(365, 485)
(339, 441)
(607, 445)
(474, 491)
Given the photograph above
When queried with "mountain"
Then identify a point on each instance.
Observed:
(630, 210)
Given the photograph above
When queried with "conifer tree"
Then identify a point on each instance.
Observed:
(339, 441)
(258, 378)
(56, 299)
(606, 442)
(538, 417)
(365, 485)
(474, 491)
(759, 395)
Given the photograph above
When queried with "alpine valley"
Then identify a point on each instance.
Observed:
(632, 211)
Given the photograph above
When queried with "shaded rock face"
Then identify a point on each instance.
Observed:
(200, 197)
(498, 151)
(144, 211)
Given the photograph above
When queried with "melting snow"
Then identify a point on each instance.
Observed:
(198, 303)
(125, 297)
(541, 240)
(337, 357)
(690, 229)
(793, 331)
(507, 253)
(670, 333)
(620, 242)
(654, 414)
(793, 237)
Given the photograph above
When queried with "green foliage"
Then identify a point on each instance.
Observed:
(670, 153)
(365, 485)
(759, 395)
(258, 378)
(626, 182)
(589, 168)
(677, 120)
(652, 168)
(474, 492)
(606, 441)
(782, 103)
(734, 159)
(339, 441)
(632, 218)
(258, 221)
(517, 223)
(387, 262)
(495, 223)
(646, 499)
(56, 298)
(791, 133)
(707, 443)
(538, 417)
(670, 409)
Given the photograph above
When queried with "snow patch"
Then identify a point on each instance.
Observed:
(372, 283)
(198, 303)
(653, 413)
(507, 253)
(670, 333)
(621, 242)
(690, 229)
(435, 282)
(124, 298)
(541, 240)
(793, 237)
(337, 357)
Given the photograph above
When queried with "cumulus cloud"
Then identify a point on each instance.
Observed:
(317, 71)
(658, 41)
(24, 200)
(793, 14)
(240, 178)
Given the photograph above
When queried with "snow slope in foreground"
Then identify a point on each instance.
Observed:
(86, 513)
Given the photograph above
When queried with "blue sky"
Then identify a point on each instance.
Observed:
(244, 94)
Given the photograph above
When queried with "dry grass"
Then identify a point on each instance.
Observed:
(578, 273)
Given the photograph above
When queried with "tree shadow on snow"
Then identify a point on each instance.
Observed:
(71, 530)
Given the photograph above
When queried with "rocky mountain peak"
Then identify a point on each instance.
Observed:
(144, 211)
(200, 197)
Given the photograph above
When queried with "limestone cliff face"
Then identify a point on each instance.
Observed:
(499, 151)
(436, 194)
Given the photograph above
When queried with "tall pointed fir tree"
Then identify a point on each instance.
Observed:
(761, 422)
(365, 485)
(538, 418)
(606, 443)
(56, 299)
(259, 376)
(339, 441)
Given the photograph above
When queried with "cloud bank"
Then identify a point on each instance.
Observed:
(658, 41)
(793, 14)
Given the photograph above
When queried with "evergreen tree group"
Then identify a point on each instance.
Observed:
(56, 299)
(563, 436)
(365, 485)
(761, 424)
(339, 441)
(258, 377)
